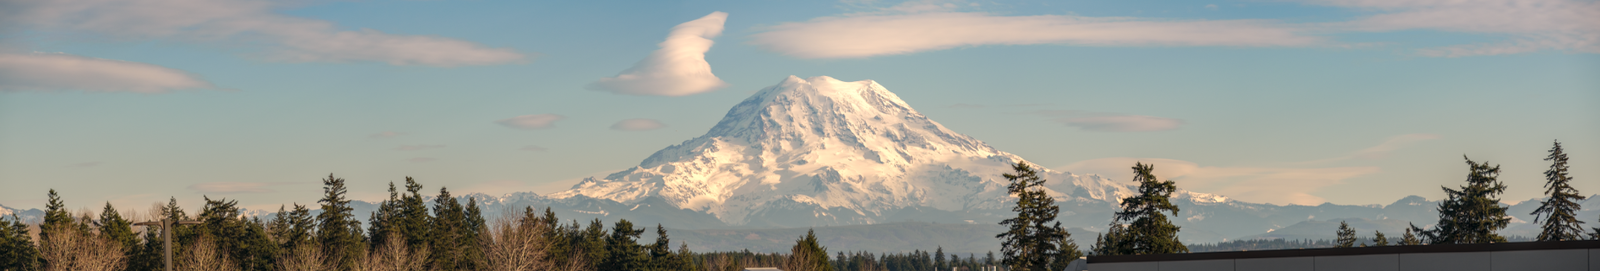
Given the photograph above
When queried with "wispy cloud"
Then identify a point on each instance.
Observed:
(1277, 185)
(387, 134)
(1381, 150)
(539, 121)
(285, 38)
(533, 148)
(637, 125)
(679, 68)
(856, 36)
(51, 72)
(418, 147)
(235, 187)
(1526, 25)
(1110, 122)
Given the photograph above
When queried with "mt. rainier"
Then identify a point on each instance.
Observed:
(820, 151)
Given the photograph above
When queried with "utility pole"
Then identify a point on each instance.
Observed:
(166, 235)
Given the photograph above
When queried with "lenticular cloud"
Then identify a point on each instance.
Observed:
(679, 68)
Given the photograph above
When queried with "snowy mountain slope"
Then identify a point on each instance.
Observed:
(837, 152)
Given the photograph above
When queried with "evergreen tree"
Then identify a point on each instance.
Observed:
(818, 255)
(591, 243)
(293, 229)
(1473, 214)
(661, 256)
(120, 231)
(1148, 231)
(17, 252)
(381, 223)
(1410, 239)
(623, 250)
(448, 230)
(1347, 235)
(246, 244)
(473, 227)
(56, 216)
(1559, 209)
(938, 259)
(1032, 241)
(412, 219)
(338, 232)
(1378, 240)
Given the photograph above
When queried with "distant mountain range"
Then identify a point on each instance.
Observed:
(854, 160)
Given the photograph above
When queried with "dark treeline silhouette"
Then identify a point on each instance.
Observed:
(408, 233)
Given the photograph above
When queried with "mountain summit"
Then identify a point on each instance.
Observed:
(821, 151)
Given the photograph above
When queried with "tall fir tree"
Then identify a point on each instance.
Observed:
(1410, 238)
(294, 228)
(17, 252)
(120, 231)
(818, 254)
(1347, 236)
(245, 243)
(412, 219)
(623, 250)
(380, 223)
(447, 231)
(661, 256)
(1378, 239)
(1034, 240)
(1147, 230)
(473, 227)
(591, 244)
(938, 259)
(1561, 205)
(56, 216)
(560, 248)
(338, 232)
(1473, 214)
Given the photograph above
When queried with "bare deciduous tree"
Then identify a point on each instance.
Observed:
(71, 248)
(204, 255)
(305, 257)
(393, 255)
(799, 260)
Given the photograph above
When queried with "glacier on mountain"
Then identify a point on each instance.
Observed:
(846, 152)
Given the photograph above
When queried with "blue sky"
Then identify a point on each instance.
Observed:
(1304, 102)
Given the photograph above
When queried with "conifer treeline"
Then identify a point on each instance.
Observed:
(406, 234)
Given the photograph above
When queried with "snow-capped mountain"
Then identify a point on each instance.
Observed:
(820, 151)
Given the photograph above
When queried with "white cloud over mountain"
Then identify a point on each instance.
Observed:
(49, 72)
(856, 36)
(284, 38)
(679, 68)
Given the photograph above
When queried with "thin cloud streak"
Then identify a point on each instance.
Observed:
(531, 122)
(418, 147)
(679, 68)
(285, 38)
(1110, 122)
(1530, 25)
(873, 35)
(637, 125)
(1379, 151)
(56, 72)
